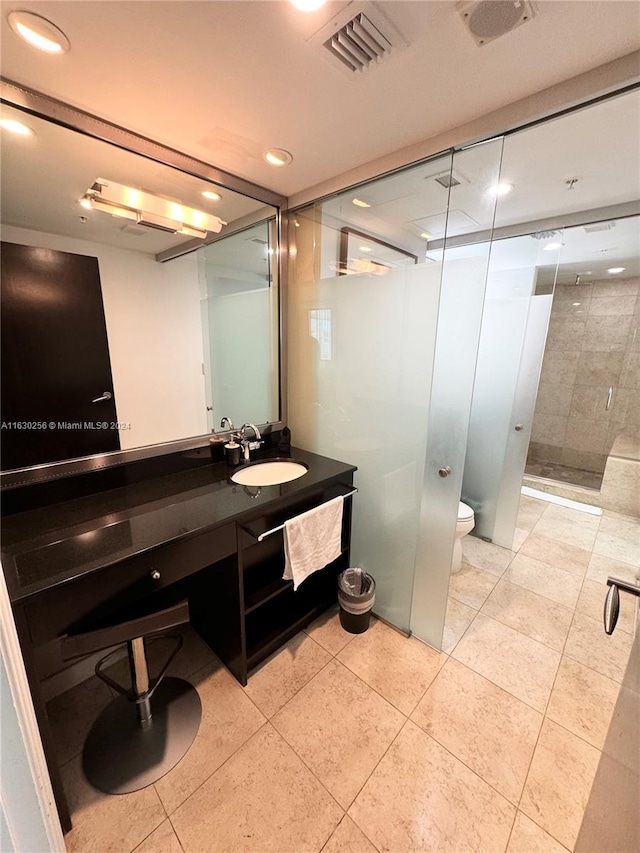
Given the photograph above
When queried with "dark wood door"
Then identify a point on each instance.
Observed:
(55, 359)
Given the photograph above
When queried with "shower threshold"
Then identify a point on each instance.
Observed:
(556, 472)
(560, 500)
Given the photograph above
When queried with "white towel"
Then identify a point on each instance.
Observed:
(312, 540)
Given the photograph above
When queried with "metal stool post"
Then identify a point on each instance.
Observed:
(143, 733)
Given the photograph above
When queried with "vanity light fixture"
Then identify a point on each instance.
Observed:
(277, 157)
(211, 195)
(15, 126)
(616, 270)
(359, 203)
(308, 5)
(500, 189)
(38, 32)
(552, 247)
(149, 209)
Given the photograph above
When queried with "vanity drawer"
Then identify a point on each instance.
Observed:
(74, 606)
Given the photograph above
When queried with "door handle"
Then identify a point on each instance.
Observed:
(518, 427)
(444, 472)
(612, 601)
(107, 395)
(607, 405)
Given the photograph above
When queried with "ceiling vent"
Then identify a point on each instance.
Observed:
(487, 20)
(358, 38)
(358, 43)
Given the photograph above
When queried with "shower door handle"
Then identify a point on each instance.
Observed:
(609, 398)
(612, 601)
(518, 427)
(444, 472)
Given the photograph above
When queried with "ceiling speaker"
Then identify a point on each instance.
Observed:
(487, 20)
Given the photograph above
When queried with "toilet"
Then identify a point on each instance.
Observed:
(464, 525)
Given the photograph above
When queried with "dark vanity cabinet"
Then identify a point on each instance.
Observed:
(247, 614)
(104, 558)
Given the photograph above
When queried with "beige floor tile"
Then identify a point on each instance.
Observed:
(568, 525)
(591, 603)
(527, 837)
(340, 728)
(103, 824)
(485, 555)
(519, 665)
(72, 714)
(327, 631)
(531, 614)
(529, 512)
(283, 674)
(397, 667)
(559, 782)
(556, 584)
(162, 840)
(459, 617)
(601, 568)
(558, 554)
(263, 800)
(229, 719)
(520, 536)
(588, 644)
(471, 586)
(582, 701)
(487, 728)
(619, 539)
(348, 838)
(420, 797)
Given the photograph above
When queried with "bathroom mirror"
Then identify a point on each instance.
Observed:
(173, 363)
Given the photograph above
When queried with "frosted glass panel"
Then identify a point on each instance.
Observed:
(462, 296)
(505, 388)
(360, 362)
(239, 309)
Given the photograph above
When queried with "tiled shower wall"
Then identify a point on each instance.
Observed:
(593, 344)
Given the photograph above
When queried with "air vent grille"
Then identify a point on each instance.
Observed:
(358, 43)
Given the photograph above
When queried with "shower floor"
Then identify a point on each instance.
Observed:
(565, 474)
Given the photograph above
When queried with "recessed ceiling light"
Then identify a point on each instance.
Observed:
(616, 270)
(365, 248)
(552, 247)
(38, 32)
(500, 189)
(86, 203)
(307, 5)
(14, 126)
(211, 195)
(359, 203)
(277, 157)
(426, 236)
(576, 304)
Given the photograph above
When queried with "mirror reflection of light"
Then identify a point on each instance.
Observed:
(133, 197)
(14, 126)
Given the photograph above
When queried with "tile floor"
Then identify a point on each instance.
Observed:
(358, 744)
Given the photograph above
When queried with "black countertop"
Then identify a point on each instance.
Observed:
(47, 547)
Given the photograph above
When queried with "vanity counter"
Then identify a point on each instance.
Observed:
(46, 548)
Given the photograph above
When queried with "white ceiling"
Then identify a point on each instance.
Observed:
(222, 81)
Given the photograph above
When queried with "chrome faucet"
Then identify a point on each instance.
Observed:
(247, 445)
(229, 423)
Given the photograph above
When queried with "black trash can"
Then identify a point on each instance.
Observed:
(356, 595)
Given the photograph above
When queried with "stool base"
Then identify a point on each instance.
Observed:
(119, 756)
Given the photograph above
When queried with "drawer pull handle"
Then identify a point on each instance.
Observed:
(155, 574)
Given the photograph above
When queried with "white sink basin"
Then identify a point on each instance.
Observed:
(271, 472)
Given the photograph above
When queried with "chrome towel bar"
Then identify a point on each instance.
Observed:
(264, 535)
